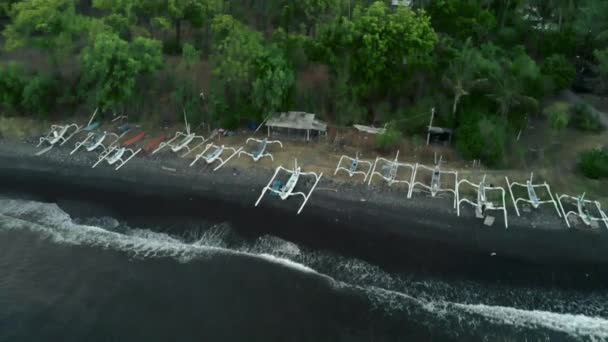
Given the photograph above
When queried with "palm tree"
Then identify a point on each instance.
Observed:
(462, 73)
(508, 90)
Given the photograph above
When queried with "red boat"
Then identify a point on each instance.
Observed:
(132, 140)
(153, 143)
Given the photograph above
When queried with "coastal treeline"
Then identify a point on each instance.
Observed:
(485, 65)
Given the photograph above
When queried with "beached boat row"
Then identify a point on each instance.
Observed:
(118, 148)
(588, 211)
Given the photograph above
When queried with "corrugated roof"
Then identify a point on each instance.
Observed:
(296, 120)
(370, 129)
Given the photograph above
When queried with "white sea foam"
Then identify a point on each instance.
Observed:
(393, 293)
(594, 328)
(50, 221)
(288, 263)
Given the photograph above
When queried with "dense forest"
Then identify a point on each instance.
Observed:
(485, 65)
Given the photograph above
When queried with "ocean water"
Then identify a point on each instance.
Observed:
(93, 277)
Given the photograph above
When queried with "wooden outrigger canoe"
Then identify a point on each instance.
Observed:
(133, 139)
(153, 143)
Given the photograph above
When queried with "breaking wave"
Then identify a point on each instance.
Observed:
(458, 306)
(55, 224)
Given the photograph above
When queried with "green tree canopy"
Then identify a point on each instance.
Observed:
(381, 46)
(111, 66)
(51, 25)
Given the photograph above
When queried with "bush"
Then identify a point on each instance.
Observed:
(594, 163)
(480, 137)
(562, 42)
(585, 118)
(186, 97)
(559, 71)
(391, 138)
(12, 81)
(558, 115)
(38, 95)
(172, 47)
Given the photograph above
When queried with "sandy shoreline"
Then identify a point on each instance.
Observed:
(541, 239)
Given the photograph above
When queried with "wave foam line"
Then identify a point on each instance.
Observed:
(145, 243)
(577, 326)
(141, 243)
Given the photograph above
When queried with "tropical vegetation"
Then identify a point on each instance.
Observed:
(485, 65)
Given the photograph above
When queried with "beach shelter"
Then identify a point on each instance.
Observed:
(296, 124)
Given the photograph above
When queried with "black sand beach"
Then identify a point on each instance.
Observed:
(377, 224)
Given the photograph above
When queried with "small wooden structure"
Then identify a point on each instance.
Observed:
(300, 122)
(370, 129)
(435, 130)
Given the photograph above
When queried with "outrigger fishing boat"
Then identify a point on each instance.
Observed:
(355, 166)
(117, 154)
(532, 198)
(60, 134)
(213, 153)
(390, 169)
(436, 174)
(582, 210)
(181, 141)
(482, 204)
(153, 143)
(287, 190)
(260, 152)
(96, 140)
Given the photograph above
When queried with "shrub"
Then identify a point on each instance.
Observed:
(391, 138)
(12, 81)
(120, 24)
(594, 163)
(563, 42)
(585, 118)
(186, 98)
(172, 47)
(559, 71)
(38, 95)
(480, 137)
(558, 115)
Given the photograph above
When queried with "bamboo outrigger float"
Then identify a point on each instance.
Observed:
(95, 140)
(58, 135)
(213, 153)
(181, 141)
(260, 152)
(390, 169)
(287, 190)
(435, 187)
(354, 167)
(533, 198)
(482, 204)
(582, 210)
(118, 154)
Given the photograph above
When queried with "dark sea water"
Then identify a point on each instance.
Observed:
(86, 276)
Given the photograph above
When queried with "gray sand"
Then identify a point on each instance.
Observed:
(538, 237)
